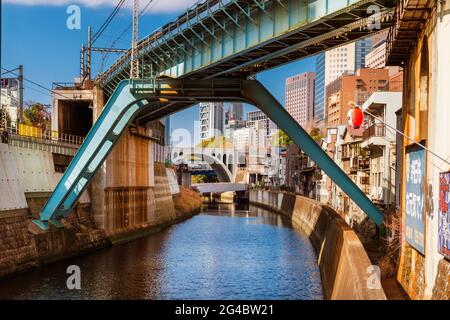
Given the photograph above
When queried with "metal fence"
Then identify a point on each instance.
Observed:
(23, 130)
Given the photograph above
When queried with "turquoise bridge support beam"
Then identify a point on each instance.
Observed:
(135, 97)
(119, 111)
(255, 92)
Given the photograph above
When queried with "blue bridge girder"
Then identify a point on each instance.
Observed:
(133, 97)
(239, 38)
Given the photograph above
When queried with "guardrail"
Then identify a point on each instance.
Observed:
(24, 130)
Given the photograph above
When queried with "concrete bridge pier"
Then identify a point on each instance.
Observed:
(131, 188)
(97, 188)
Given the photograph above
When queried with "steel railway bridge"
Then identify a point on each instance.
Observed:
(212, 53)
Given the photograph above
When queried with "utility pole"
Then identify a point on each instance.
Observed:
(134, 67)
(89, 54)
(20, 111)
(82, 63)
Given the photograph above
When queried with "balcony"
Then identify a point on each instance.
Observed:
(375, 135)
(354, 162)
(376, 130)
(359, 163)
(364, 164)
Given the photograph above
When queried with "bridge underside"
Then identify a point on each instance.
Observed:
(239, 38)
(151, 99)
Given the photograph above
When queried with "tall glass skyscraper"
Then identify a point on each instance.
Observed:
(363, 47)
(319, 99)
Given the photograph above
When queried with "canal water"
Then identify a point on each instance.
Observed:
(226, 252)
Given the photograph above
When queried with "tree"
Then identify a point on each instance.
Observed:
(203, 178)
(5, 118)
(37, 115)
(316, 134)
(283, 139)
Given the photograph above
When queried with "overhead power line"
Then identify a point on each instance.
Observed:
(125, 31)
(37, 84)
(108, 21)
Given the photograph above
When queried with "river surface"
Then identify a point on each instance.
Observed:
(226, 252)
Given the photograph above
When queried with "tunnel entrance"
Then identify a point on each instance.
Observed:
(75, 117)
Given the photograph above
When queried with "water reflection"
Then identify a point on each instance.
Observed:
(227, 252)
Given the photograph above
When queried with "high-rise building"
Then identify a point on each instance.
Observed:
(233, 119)
(231, 126)
(211, 120)
(254, 116)
(376, 59)
(338, 61)
(241, 139)
(362, 48)
(258, 143)
(319, 92)
(300, 97)
(334, 63)
(235, 112)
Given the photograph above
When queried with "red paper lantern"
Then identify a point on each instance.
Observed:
(356, 117)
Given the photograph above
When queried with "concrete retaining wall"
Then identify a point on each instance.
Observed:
(12, 195)
(345, 268)
(173, 181)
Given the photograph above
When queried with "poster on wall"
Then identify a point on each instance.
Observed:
(415, 197)
(444, 216)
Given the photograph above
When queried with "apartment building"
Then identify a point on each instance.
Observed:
(352, 87)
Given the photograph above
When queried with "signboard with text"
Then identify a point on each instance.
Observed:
(415, 197)
(444, 216)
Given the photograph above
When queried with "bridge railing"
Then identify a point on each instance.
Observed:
(201, 10)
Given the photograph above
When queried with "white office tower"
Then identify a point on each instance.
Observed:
(211, 120)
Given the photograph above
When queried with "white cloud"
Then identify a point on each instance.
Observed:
(157, 6)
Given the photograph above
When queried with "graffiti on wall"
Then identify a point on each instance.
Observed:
(415, 197)
(444, 216)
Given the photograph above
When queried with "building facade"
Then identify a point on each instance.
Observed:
(254, 116)
(300, 98)
(235, 112)
(211, 120)
(332, 64)
(9, 99)
(354, 88)
(424, 183)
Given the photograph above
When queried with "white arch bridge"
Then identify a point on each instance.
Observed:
(223, 161)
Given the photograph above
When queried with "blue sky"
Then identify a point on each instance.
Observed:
(34, 34)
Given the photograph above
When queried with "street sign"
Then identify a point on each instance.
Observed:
(415, 197)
